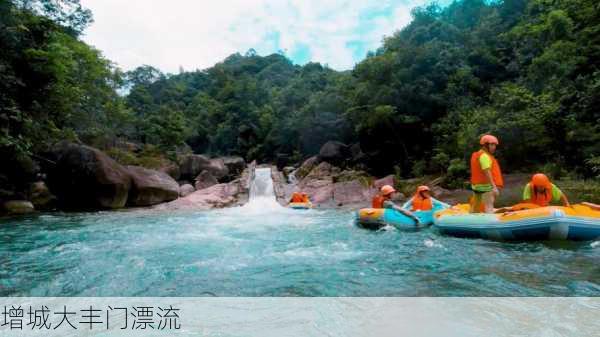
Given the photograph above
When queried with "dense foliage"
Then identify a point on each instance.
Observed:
(526, 70)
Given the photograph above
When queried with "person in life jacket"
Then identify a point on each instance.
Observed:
(423, 201)
(541, 191)
(305, 197)
(297, 197)
(486, 176)
(384, 200)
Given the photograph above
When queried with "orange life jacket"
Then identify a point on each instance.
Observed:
(305, 198)
(296, 197)
(421, 204)
(378, 201)
(477, 174)
(540, 199)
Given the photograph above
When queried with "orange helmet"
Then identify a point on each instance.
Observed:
(387, 189)
(488, 139)
(541, 180)
(423, 188)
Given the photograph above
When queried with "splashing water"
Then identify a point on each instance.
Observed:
(262, 194)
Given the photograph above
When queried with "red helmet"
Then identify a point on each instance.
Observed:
(541, 180)
(488, 139)
(387, 189)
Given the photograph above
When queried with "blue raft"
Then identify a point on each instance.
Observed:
(376, 218)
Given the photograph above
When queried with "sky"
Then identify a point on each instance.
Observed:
(196, 34)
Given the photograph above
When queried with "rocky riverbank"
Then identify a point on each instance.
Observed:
(80, 177)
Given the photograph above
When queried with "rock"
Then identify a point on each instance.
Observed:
(40, 195)
(18, 207)
(283, 190)
(318, 184)
(323, 171)
(193, 164)
(151, 187)
(85, 177)
(355, 151)
(235, 165)
(388, 180)
(205, 180)
(287, 170)
(358, 159)
(186, 189)
(171, 169)
(321, 196)
(440, 192)
(335, 153)
(282, 160)
(349, 175)
(217, 196)
(306, 167)
(217, 168)
(352, 192)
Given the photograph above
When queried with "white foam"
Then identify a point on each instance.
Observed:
(262, 195)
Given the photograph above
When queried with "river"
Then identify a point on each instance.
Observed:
(263, 249)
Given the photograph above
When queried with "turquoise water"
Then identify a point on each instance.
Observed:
(251, 251)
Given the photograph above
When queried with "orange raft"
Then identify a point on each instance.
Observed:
(578, 223)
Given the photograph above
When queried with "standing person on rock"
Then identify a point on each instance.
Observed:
(486, 176)
(383, 200)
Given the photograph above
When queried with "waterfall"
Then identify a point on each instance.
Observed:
(262, 194)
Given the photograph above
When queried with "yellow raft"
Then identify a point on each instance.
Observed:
(579, 223)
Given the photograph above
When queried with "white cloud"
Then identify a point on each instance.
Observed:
(197, 34)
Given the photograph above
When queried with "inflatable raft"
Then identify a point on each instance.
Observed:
(577, 223)
(300, 205)
(376, 218)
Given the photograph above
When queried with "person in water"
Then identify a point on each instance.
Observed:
(541, 191)
(423, 201)
(486, 176)
(384, 200)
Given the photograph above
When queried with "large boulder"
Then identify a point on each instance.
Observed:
(40, 196)
(151, 187)
(352, 192)
(306, 167)
(323, 171)
(235, 165)
(186, 189)
(318, 184)
(171, 169)
(217, 168)
(205, 180)
(335, 153)
(217, 196)
(193, 164)
(18, 207)
(85, 177)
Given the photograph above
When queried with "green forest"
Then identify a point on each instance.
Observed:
(527, 71)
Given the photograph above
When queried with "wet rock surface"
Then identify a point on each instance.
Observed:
(151, 187)
(84, 177)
